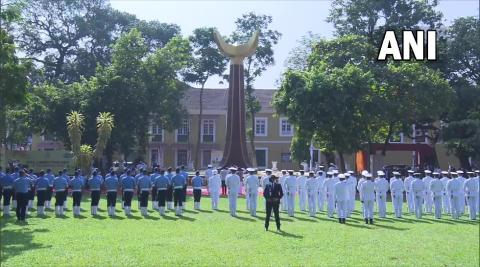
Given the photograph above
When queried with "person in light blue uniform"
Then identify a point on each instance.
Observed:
(60, 185)
(111, 183)
(7, 185)
(137, 177)
(153, 177)
(31, 191)
(21, 186)
(162, 183)
(95, 183)
(197, 183)
(184, 194)
(169, 196)
(144, 186)
(178, 182)
(41, 185)
(77, 184)
(123, 175)
(15, 174)
(48, 198)
(67, 179)
(128, 186)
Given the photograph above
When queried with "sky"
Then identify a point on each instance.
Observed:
(293, 19)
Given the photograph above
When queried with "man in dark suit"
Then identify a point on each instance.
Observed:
(273, 193)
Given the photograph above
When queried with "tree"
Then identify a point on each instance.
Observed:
(207, 62)
(256, 64)
(370, 18)
(462, 125)
(298, 56)
(14, 72)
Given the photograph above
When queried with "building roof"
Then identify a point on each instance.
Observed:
(216, 99)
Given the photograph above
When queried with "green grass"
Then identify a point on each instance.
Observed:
(213, 238)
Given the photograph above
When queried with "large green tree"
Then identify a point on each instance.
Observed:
(207, 62)
(461, 127)
(257, 63)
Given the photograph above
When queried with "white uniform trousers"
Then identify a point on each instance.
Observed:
(302, 196)
(283, 201)
(368, 209)
(351, 202)
(428, 202)
(410, 202)
(320, 200)
(472, 205)
(312, 205)
(381, 198)
(437, 202)
(247, 200)
(446, 203)
(418, 205)
(342, 209)
(215, 196)
(232, 201)
(253, 196)
(397, 201)
(455, 206)
(290, 203)
(330, 205)
(461, 206)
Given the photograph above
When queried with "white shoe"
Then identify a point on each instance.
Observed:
(14, 204)
(6, 210)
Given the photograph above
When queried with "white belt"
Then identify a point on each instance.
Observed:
(178, 187)
(112, 190)
(76, 190)
(161, 189)
(41, 189)
(127, 190)
(7, 187)
(197, 188)
(59, 190)
(145, 190)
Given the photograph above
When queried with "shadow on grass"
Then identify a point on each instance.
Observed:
(170, 218)
(461, 221)
(190, 219)
(206, 211)
(365, 226)
(286, 234)
(391, 227)
(223, 211)
(79, 217)
(191, 211)
(305, 219)
(440, 221)
(151, 217)
(244, 219)
(17, 241)
(99, 217)
(134, 217)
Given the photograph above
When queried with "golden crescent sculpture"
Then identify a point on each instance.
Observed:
(237, 52)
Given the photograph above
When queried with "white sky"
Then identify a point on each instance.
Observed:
(292, 18)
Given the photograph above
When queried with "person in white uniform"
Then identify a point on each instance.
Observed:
(320, 190)
(436, 190)
(455, 193)
(477, 178)
(462, 180)
(251, 191)
(445, 199)
(352, 191)
(290, 189)
(418, 189)
(214, 186)
(471, 193)
(311, 187)
(367, 196)
(329, 186)
(428, 201)
(302, 192)
(396, 190)
(281, 181)
(381, 188)
(233, 184)
(408, 191)
(359, 183)
(341, 198)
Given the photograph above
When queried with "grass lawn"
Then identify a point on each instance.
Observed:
(212, 238)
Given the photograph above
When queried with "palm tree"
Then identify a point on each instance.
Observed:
(104, 129)
(75, 126)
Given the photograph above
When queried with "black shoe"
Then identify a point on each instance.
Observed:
(340, 220)
(266, 228)
(278, 229)
(343, 220)
(366, 221)
(371, 221)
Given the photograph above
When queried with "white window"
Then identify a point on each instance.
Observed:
(208, 131)
(157, 133)
(183, 131)
(261, 155)
(261, 126)
(286, 129)
(396, 138)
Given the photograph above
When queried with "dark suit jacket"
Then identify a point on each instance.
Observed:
(273, 194)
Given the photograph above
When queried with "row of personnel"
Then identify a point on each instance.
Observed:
(447, 191)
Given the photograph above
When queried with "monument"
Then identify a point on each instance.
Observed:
(235, 150)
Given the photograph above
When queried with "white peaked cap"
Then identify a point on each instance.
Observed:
(215, 172)
(209, 165)
(268, 170)
(341, 175)
(444, 172)
(232, 168)
(351, 172)
(364, 172)
(380, 173)
(410, 171)
(436, 173)
(329, 173)
(453, 173)
(335, 171)
(395, 173)
(368, 175)
(250, 169)
(347, 174)
(460, 172)
(427, 171)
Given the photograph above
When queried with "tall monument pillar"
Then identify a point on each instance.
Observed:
(235, 150)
